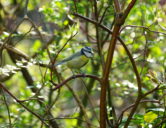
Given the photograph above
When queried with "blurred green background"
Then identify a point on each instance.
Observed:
(40, 28)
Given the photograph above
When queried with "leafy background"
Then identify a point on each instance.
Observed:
(32, 35)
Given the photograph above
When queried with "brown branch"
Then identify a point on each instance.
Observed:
(26, 7)
(14, 50)
(99, 48)
(128, 9)
(71, 37)
(108, 64)
(133, 64)
(72, 118)
(7, 107)
(93, 21)
(106, 75)
(139, 84)
(126, 12)
(80, 104)
(107, 29)
(117, 5)
(75, 5)
(151, 91)
(95, 69)
(130, 57)
(144, 27)
(132, 105)
(20, 102)
(120, 19)
(82, 108)
(52, 62)
(35, 27)
(76, 76)
(44, 46)
(102, 17)
(158, 124)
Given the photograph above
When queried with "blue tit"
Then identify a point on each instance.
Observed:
(79, 59)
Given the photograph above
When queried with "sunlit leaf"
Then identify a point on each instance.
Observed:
(150, 117)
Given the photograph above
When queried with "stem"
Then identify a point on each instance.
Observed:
(106, 75)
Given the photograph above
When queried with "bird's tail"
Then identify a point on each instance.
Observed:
(59, 63)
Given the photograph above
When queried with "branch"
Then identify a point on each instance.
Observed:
(71, 118)
(103, 15)
(119, 21)
(76, 76)
(14, 50)
(80, 104)
(133, 64)
(105, 76)
(35, 27)
(130, 57)
(128, 9)
(71, 37)
(75, 5)
(159, 124)
(26, 7)
(135, 26)
(82, 108)
(20, 102)
(117, 5)
(93, 22)
(107, 29)
(151, 91)
(132, 105)
(7, 107)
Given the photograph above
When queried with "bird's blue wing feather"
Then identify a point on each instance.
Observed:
(69, 58)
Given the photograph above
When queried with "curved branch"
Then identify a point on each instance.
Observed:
(76, 76)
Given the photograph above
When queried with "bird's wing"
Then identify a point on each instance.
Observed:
(77, 54)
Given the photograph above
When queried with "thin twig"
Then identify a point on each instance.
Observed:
(35, 27)
(80, 105)
(75, 5)
(144, 27)
(132, 105)
(24, 106)
(151, 91)
(93, 21)
(102, 17)
(8, 111)
(26, 7)
(71, 118)
(90, 100)
(159, 124)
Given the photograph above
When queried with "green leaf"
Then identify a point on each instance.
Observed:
(36, 46)
(150, 117)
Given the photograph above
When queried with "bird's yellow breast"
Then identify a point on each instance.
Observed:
(77, 62)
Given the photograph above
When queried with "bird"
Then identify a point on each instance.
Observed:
(78, 59)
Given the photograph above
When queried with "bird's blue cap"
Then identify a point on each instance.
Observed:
(87, 51)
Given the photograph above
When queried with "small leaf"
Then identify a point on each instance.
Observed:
(150, 117)
(36, 46)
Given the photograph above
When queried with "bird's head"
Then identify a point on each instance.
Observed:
(87, 51)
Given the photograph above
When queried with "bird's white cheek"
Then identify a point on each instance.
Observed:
(89, 55)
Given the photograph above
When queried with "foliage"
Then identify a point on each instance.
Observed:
(35, 35)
